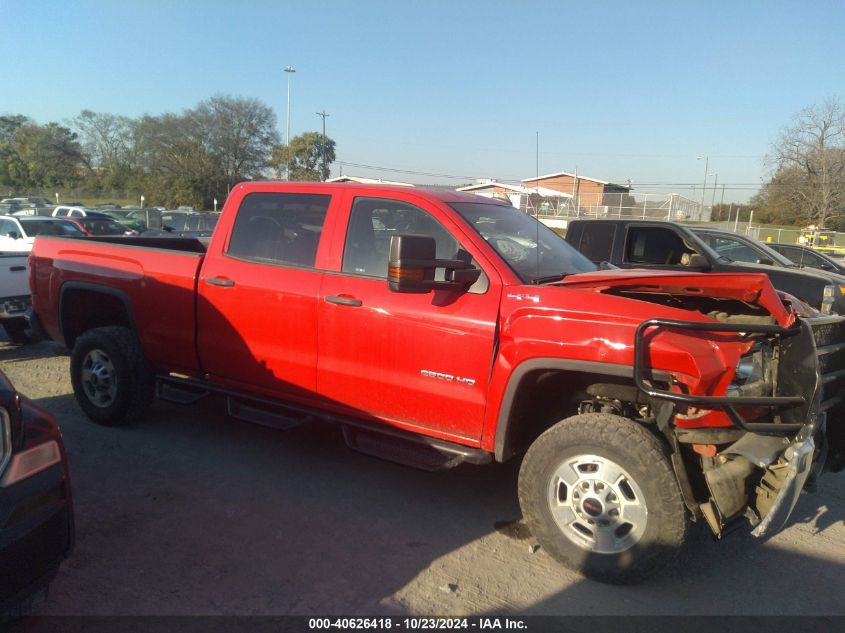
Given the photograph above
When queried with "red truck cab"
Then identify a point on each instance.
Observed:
(438, 327)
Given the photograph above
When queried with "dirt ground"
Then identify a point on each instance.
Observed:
(191, 513)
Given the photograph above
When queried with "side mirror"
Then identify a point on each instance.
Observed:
(413, 261)
(765, 261)
(695, 260)
(14, 235)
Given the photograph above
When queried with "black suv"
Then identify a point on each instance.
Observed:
(660, 244)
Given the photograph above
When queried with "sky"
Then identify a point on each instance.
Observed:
(448, 91)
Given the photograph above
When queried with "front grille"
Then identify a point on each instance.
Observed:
(829, 336)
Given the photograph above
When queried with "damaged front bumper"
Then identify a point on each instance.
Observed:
(793, 468)
(762, 475)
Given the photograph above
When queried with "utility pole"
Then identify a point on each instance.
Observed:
(715, 184)
(704, 185)
(323, 115)
(537, 172)
(289, 70)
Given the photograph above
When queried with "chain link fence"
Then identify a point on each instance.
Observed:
(649, 206)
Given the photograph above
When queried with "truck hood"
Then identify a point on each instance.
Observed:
(747, 288)
(592, 318)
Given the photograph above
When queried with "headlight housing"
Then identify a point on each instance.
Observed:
(753, 373)
(828, 297)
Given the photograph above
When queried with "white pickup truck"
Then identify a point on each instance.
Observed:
(15, 300)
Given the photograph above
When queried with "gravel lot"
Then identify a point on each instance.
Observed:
(194, 513)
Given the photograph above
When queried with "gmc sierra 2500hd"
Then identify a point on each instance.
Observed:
(438, 328)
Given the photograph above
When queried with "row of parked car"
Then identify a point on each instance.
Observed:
(19, 229)
(110, 219)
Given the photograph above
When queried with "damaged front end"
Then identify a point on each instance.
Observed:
(781, 418)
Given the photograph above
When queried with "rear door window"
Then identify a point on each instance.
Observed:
(279, 228)
(650, 245)
(597, 241)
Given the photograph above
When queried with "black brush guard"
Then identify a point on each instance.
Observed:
(799, 377)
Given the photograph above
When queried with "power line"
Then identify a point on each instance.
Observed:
(731, 186)
(408, 171)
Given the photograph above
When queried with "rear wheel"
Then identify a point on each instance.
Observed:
(111, 381)
(599, 494)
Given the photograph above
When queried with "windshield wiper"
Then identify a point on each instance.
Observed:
(548, 278)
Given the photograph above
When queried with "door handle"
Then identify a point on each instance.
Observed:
(218, 281)
(18, 269)
(344, 301)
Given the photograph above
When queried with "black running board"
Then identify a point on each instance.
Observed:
(416, 451)
(275, 417)
(179, 393)
(371, 438)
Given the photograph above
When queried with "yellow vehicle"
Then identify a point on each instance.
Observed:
(822, 240)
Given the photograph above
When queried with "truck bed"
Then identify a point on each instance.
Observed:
(184, 244)
(153, 280)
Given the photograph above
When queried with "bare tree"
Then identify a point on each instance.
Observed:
(240, 133)
(811, 152)
(106, 138)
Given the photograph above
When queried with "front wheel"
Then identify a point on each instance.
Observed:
(599, 494)
(111, 381)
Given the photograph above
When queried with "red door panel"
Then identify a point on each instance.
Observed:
(406, 359)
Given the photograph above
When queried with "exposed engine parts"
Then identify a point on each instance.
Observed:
(624, 400)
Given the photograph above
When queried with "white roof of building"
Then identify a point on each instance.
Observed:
(542, 191)
(570, 174)
(368, 181)
(491, 184)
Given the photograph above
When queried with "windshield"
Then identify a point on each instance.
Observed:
(738, 250)
(96, 226)
(49, 227)
(531, 249)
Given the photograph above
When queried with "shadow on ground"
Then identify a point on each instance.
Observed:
(194, 513)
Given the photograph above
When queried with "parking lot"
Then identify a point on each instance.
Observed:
(191, 512)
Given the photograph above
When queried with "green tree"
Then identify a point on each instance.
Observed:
(9, 126)
(175, 166)
(44, 156)
(306, 157)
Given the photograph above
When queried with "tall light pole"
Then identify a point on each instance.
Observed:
(704, 186)
(323, 115)
(715, 186)
(289, 70)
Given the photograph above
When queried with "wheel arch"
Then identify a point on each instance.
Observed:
(524, 382)
(86, 305)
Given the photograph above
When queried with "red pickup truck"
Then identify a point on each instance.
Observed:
(438, 328)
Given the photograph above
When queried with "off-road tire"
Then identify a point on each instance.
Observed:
(133, 382)
(644, 457)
